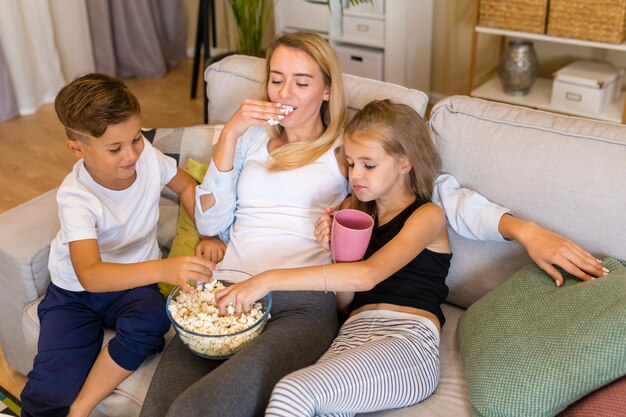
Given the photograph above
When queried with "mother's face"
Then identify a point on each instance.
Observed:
(296, 80)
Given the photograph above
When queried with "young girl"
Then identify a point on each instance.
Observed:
(395, 315)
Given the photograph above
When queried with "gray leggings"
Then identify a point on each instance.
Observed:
(302, 326)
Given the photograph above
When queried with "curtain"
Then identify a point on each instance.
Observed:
(46, 43)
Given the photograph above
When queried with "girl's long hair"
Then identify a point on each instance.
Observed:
(402, 133)
(333, 112)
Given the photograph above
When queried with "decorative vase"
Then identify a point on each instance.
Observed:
(518, 67)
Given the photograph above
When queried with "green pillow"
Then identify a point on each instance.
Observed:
(530, 348)
(187, 236)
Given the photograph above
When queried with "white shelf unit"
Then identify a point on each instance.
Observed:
(399, 30)
(540, 94)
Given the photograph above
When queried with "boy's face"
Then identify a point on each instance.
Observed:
(111, 158)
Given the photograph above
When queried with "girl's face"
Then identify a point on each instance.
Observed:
(296, 80)
(111, 159)
(374, 174)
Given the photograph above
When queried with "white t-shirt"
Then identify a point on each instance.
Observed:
(123, 221)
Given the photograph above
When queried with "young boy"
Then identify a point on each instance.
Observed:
(105, 261)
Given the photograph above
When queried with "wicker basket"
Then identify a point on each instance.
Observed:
(594, 20)
(520, 15)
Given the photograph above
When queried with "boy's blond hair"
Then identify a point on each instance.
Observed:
(402, 133)
(91, 103)
(333, 111)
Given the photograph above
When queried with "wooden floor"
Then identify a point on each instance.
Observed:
(34, 158)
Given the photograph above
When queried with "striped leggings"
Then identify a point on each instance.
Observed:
(380, 360)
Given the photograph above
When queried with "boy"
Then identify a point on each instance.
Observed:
(105, 261)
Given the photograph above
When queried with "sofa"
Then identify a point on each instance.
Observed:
(564, 173)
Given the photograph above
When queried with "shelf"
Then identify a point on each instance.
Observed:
(548, 38)
(540, 98)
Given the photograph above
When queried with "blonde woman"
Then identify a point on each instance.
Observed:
(275, 170)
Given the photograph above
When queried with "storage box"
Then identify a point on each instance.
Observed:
(586, 87)
(594, 20)
(361, 61)
(520, 15)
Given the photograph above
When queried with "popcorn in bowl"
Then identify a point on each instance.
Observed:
(199, 325)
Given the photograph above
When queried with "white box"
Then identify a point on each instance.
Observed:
(586, 87)
(361, 61)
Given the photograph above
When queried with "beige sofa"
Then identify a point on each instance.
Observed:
(564, 173)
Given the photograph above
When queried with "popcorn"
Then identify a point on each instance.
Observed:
(198, 313)
(284, 109)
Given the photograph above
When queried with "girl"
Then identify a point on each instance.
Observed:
(395, 316)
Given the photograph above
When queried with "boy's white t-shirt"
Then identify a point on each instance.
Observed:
(123, 221)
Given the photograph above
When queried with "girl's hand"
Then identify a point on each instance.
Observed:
(211, 248)
(181, 269)
(241, 295)
(252, 112)
(323, 227)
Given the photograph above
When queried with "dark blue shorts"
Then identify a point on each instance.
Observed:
(70, 340)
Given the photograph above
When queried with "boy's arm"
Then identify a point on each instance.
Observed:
(185, 187)
(97, 276)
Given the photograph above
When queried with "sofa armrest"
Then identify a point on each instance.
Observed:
(26, 233)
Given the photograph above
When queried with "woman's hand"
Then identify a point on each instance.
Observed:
(211, 248)
(241, 295)
(181, 269)
(323, 227)
(252, 112)
(549, 249)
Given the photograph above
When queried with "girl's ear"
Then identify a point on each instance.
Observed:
(75, 147)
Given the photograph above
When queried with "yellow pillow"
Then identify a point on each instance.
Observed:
(187, 237)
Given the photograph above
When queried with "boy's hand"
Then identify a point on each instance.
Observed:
(211, 248)
(241, 295)
(323, 226)
(179, 270)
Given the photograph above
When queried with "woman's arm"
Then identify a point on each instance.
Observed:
(425, 227)
(473, 216)
(549, 249)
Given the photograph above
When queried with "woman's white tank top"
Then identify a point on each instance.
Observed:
(276, 212)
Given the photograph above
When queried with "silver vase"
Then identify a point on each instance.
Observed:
(518, 67)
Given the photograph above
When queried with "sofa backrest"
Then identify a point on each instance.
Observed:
(237, 77)
(564, 173)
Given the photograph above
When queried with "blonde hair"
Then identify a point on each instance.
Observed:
(332, 112)
(402, 133)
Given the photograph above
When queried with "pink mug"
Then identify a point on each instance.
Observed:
(350, 235)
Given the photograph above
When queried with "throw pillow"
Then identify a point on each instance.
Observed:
(187, 236)
(608, 401)
(530, 348)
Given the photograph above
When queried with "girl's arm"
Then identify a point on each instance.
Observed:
(97, 276)
(425, 227)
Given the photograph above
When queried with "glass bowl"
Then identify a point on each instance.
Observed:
(220, 345)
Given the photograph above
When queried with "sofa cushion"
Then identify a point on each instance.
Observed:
(608, 401)
(564, 173)
(531, 349)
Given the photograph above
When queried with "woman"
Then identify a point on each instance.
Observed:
(270, 185)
